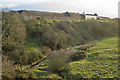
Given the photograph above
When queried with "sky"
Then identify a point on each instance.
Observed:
(107, 8)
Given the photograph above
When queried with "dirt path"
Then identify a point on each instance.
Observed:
(73, 49)
(34, 64)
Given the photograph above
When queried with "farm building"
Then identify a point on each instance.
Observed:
(89, 16)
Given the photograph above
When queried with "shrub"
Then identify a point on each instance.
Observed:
(25, 55)
(18, 55)
(57, 64)
(14, 32)
(34, 54)
(53, 38)
(77, 56)
(8, 68)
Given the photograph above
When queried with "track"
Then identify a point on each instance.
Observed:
(82, 47)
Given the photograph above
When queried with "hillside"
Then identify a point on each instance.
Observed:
(37, 41)
(29, 14)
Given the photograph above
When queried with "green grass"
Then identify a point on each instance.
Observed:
(40, 73)
(102, 61)
(34, 43)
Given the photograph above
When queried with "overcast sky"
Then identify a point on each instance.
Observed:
(108, 8)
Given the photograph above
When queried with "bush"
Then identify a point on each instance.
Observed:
(14, 32)
(77, 56)
(33, 55)
(18, 55)
(25, 55)
(57, 64)
(8, 68)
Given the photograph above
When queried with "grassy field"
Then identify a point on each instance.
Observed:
(101, 62)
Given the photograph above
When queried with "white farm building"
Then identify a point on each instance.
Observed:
(89, 16)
